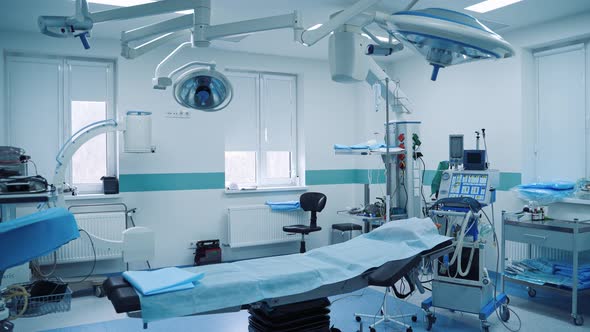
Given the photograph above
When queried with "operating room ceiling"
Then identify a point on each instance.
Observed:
(21, 15)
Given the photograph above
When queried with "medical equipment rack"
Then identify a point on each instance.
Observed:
(569, 235)
(463, 295)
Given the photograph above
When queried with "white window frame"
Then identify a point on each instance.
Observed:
(263, 182)
(64, 113)
(111, 113)
(537, 130)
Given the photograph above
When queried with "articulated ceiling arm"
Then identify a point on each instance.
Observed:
(310, 37)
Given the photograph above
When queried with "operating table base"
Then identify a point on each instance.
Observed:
(385, 317)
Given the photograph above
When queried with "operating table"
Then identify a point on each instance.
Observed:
(328, 271)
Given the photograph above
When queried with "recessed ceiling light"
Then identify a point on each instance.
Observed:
(129, 3)
(489, 5)
(121, 3)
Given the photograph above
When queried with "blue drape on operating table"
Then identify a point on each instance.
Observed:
(231, 285)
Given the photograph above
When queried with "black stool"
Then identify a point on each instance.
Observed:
(345, 227)
(314, 202)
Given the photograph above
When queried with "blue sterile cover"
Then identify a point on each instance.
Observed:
(165, 280)
(244, 282)
(35, 235)
(284, 206)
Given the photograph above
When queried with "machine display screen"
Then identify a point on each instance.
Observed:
(469, 185)
(474, 158)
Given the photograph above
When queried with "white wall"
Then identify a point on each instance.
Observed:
(197, 145)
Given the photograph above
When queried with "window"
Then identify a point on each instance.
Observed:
(90, 92)
(261, 131)
(562, 130)
(74, 93)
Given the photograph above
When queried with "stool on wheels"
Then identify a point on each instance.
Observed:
(313, 202)
(343, 228)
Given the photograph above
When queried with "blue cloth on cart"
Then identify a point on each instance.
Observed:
(161, 281)
(360, 146)
(231, 285)
(35, 235)
(284, 206)
(545, 192)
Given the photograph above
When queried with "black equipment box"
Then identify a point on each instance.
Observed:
(110, 185)
(207, 252)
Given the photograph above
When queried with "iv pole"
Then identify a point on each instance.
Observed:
(387, 156)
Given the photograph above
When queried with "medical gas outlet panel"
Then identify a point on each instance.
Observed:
(479, 185)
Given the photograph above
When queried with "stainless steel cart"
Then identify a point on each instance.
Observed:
(569, 235)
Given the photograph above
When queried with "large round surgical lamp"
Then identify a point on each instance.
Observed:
(204, 89)
(445, 37)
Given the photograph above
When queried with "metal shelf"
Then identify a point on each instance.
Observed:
(356, 152)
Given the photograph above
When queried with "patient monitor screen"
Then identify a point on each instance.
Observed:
(469, 185)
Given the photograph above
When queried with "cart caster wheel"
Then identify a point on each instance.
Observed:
(532, 292)
(579, 320)
(99, 291)
(504, 313)
(409, 329)
(372, 329)
(431, 319)
(6, 326)
(507, 300)
(414, 318)
(357, 318)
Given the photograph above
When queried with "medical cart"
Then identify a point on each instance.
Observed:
(570, 235)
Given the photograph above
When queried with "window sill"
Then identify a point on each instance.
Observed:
(265, 190)
(85, 197)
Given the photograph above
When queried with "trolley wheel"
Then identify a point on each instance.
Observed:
(372, 329)
(357, 318)
(99, 291)
(414, 318)
(430, 320)
(409, 329)
(579, 320)
(532, 292)
(504, 313)
(507, 300)
(6, 326)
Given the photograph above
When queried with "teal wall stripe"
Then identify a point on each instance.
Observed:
(200, 181)
(509, 180)
(168, 182)
(330, 176)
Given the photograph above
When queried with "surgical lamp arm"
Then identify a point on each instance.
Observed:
(310, 37)
(394, 91)
(148, 9)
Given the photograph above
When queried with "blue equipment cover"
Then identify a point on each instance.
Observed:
(165, 280)
(284, 206)
(233, 284)
(35, 235)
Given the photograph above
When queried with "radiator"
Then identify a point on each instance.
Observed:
(518, 251)
(106, 225)
(255, 225)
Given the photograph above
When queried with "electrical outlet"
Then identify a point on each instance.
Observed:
(178, 114)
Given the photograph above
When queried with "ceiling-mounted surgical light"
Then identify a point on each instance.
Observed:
(203, 89)
(447, 37)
